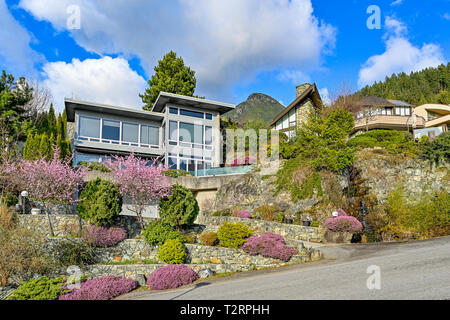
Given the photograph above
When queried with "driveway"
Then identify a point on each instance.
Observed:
(412, 270)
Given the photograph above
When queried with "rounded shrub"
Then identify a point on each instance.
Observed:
(269, 245)
(244, 214)
(343, 224)
(208, 238)
(41, 288)
(171, 276)
(172, 252)
(100, 203)
(233, 235)
(104, 237)
(158, 232)
(180, 208)
(102, 288)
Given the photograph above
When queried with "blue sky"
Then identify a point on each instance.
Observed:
(236, 47)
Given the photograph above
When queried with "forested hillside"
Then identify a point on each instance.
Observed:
(431, 85)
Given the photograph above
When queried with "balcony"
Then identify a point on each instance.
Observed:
(388, 122)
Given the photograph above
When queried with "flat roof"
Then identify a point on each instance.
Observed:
(166, 97)
(74, 104)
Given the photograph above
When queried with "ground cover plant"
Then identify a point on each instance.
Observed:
(104, 236)
(269, 245)
(41, 288)
(233, 235)
(171, 276)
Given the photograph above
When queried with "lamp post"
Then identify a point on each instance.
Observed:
(24, 195)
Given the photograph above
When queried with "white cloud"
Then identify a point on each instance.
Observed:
(296, 77)
(325, 95)
(400, 56)
(224, 41)
(396, 2)
(16, 54)
(104, 80)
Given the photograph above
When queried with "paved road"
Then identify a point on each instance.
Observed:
(414, 270)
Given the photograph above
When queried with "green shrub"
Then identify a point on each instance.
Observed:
(208, 238)
(393, 141)
(70, 252)
(438, 149)
(309, 187)
(233, 235)
(93, 166)
(222, 213)
(41, 288)
(158, 232)
(175, 173)
(180, 208)
(101, 202)
(267, 212)
(172, 252)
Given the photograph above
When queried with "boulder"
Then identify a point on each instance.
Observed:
(205, 273)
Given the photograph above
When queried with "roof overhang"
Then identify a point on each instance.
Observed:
(312, 92)
(72, 104)
(166, 97)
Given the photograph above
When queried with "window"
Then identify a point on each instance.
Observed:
(191, 133)
(173, 130)
(194, 114)
(172, 163)
(130, 132)
(111, 130)
(208, 116)
(150, 135)
(402, 111)
(89, 127)
(173, 110)
(208, 135)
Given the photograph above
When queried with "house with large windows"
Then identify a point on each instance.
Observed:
(380, 113)
(307, 99)
(180, 131)
(437, 120)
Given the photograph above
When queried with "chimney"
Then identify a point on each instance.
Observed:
(301, 88)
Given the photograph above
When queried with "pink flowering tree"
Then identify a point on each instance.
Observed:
(53, 181)
(143, 184)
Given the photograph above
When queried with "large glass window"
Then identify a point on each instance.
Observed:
(208, 135)
(189, 113)
(191, 133)
(130, 132)
(111, 130)
(208, 116)
(150, 135)
(89, 127)
(173, 130)
(173, 110)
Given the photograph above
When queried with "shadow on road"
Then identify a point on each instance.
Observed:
(198, 285)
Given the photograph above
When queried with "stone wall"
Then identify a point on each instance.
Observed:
(69, 224)
(290, 231)
(380, 172)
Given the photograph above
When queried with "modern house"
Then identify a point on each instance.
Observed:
(437, 117)
(183, 132)
(379, 113)
(307, 99)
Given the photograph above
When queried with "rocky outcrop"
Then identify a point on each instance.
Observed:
(380, 172)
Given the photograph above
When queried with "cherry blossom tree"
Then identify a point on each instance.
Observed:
(53, 181)
(139, 181)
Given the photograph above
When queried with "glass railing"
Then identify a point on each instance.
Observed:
(221, 171)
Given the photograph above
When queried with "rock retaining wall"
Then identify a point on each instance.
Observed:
(290, 231)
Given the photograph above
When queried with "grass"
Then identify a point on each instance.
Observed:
(127, 262)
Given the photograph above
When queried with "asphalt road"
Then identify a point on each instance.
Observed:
(413, 270)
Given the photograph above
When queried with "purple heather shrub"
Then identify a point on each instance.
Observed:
(104, 237)
(171, 276)
(343, 224)
(341, 213)
(244, 214)
(269, 245)
(102, 288)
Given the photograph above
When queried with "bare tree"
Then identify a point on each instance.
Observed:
(346, 98)
(39, 102)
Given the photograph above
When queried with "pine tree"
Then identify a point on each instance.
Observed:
(51, 121)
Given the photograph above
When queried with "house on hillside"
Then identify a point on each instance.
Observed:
(183, 132)
(307, 99)
(437, 117)
(380, 113)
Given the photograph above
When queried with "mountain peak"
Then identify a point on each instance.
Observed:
(257, 105)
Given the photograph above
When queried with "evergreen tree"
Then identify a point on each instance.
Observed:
(171, 75)
(52, 129)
